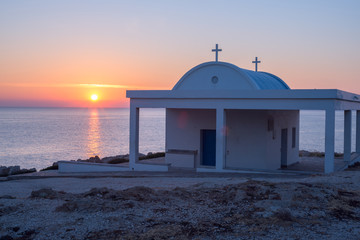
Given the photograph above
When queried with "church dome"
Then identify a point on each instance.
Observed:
(226, 76)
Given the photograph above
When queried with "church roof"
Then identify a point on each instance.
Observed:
(226, 76)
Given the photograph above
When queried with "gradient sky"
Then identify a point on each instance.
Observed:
(59, 52)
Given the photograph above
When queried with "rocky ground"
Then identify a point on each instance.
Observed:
(311, 207)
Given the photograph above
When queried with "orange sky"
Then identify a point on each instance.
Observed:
(59, 53)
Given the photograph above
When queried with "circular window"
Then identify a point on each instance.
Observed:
(214, 79)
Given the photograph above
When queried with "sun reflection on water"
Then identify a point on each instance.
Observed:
(93, 146)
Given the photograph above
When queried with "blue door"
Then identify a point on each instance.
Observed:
(208, 147)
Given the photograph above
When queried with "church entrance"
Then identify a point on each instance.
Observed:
(208, 147)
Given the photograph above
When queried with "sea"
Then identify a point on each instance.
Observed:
(38, 137)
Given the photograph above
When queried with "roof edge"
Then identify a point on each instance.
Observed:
(245, 94)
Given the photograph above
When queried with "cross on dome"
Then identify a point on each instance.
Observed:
(216, 50)
(256, 63)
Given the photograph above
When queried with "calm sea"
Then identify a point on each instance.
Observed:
(37, 137)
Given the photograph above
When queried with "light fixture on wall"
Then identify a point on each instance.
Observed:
(271, 126)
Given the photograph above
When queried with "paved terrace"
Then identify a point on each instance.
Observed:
(305, 167)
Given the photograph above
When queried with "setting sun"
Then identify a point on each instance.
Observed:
(94, 97)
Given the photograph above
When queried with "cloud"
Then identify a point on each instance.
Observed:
(104, 85)
(82, 85)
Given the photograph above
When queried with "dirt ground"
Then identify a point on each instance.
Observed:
(208, 207)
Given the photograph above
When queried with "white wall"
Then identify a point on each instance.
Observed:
(183, 133)
(284, 119)
(249, 143)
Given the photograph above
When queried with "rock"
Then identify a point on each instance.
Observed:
(105, 234)
(114, 159)
(139, 193)
(46, 193)
(31, 170)
(14, 170)
(303, 153)
(6, 237)
(68, 207)
(173, 231)
(23, 171)
(95, 159)
(4, 171)
(283, 214)
(7, 197)
(88, 205)
(29, 234)
(8, 210)
(99, 192)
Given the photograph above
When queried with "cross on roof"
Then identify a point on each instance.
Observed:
(256, 63)
(216, 50)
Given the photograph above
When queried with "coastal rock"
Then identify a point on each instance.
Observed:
(13, 170)
(4, 171)
(115, 159)
(95, 159)
(112, 159)
(22, 171)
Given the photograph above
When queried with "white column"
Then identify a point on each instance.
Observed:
(134, 136)
(220, 138)
(358, 131)
(347, 135)
(329, 141)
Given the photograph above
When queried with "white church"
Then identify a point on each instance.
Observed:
(222, 118)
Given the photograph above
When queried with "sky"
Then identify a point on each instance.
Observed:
(58, 53)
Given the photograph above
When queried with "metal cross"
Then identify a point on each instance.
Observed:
(216, 50)
(256, 63)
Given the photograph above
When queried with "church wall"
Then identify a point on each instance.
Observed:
(251, 144)
(183, 133)
(282, 119)
(245, 141)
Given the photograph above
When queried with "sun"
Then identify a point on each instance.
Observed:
(94, 97)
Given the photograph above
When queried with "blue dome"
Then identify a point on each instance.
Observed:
(266, 80)
(226, 76)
